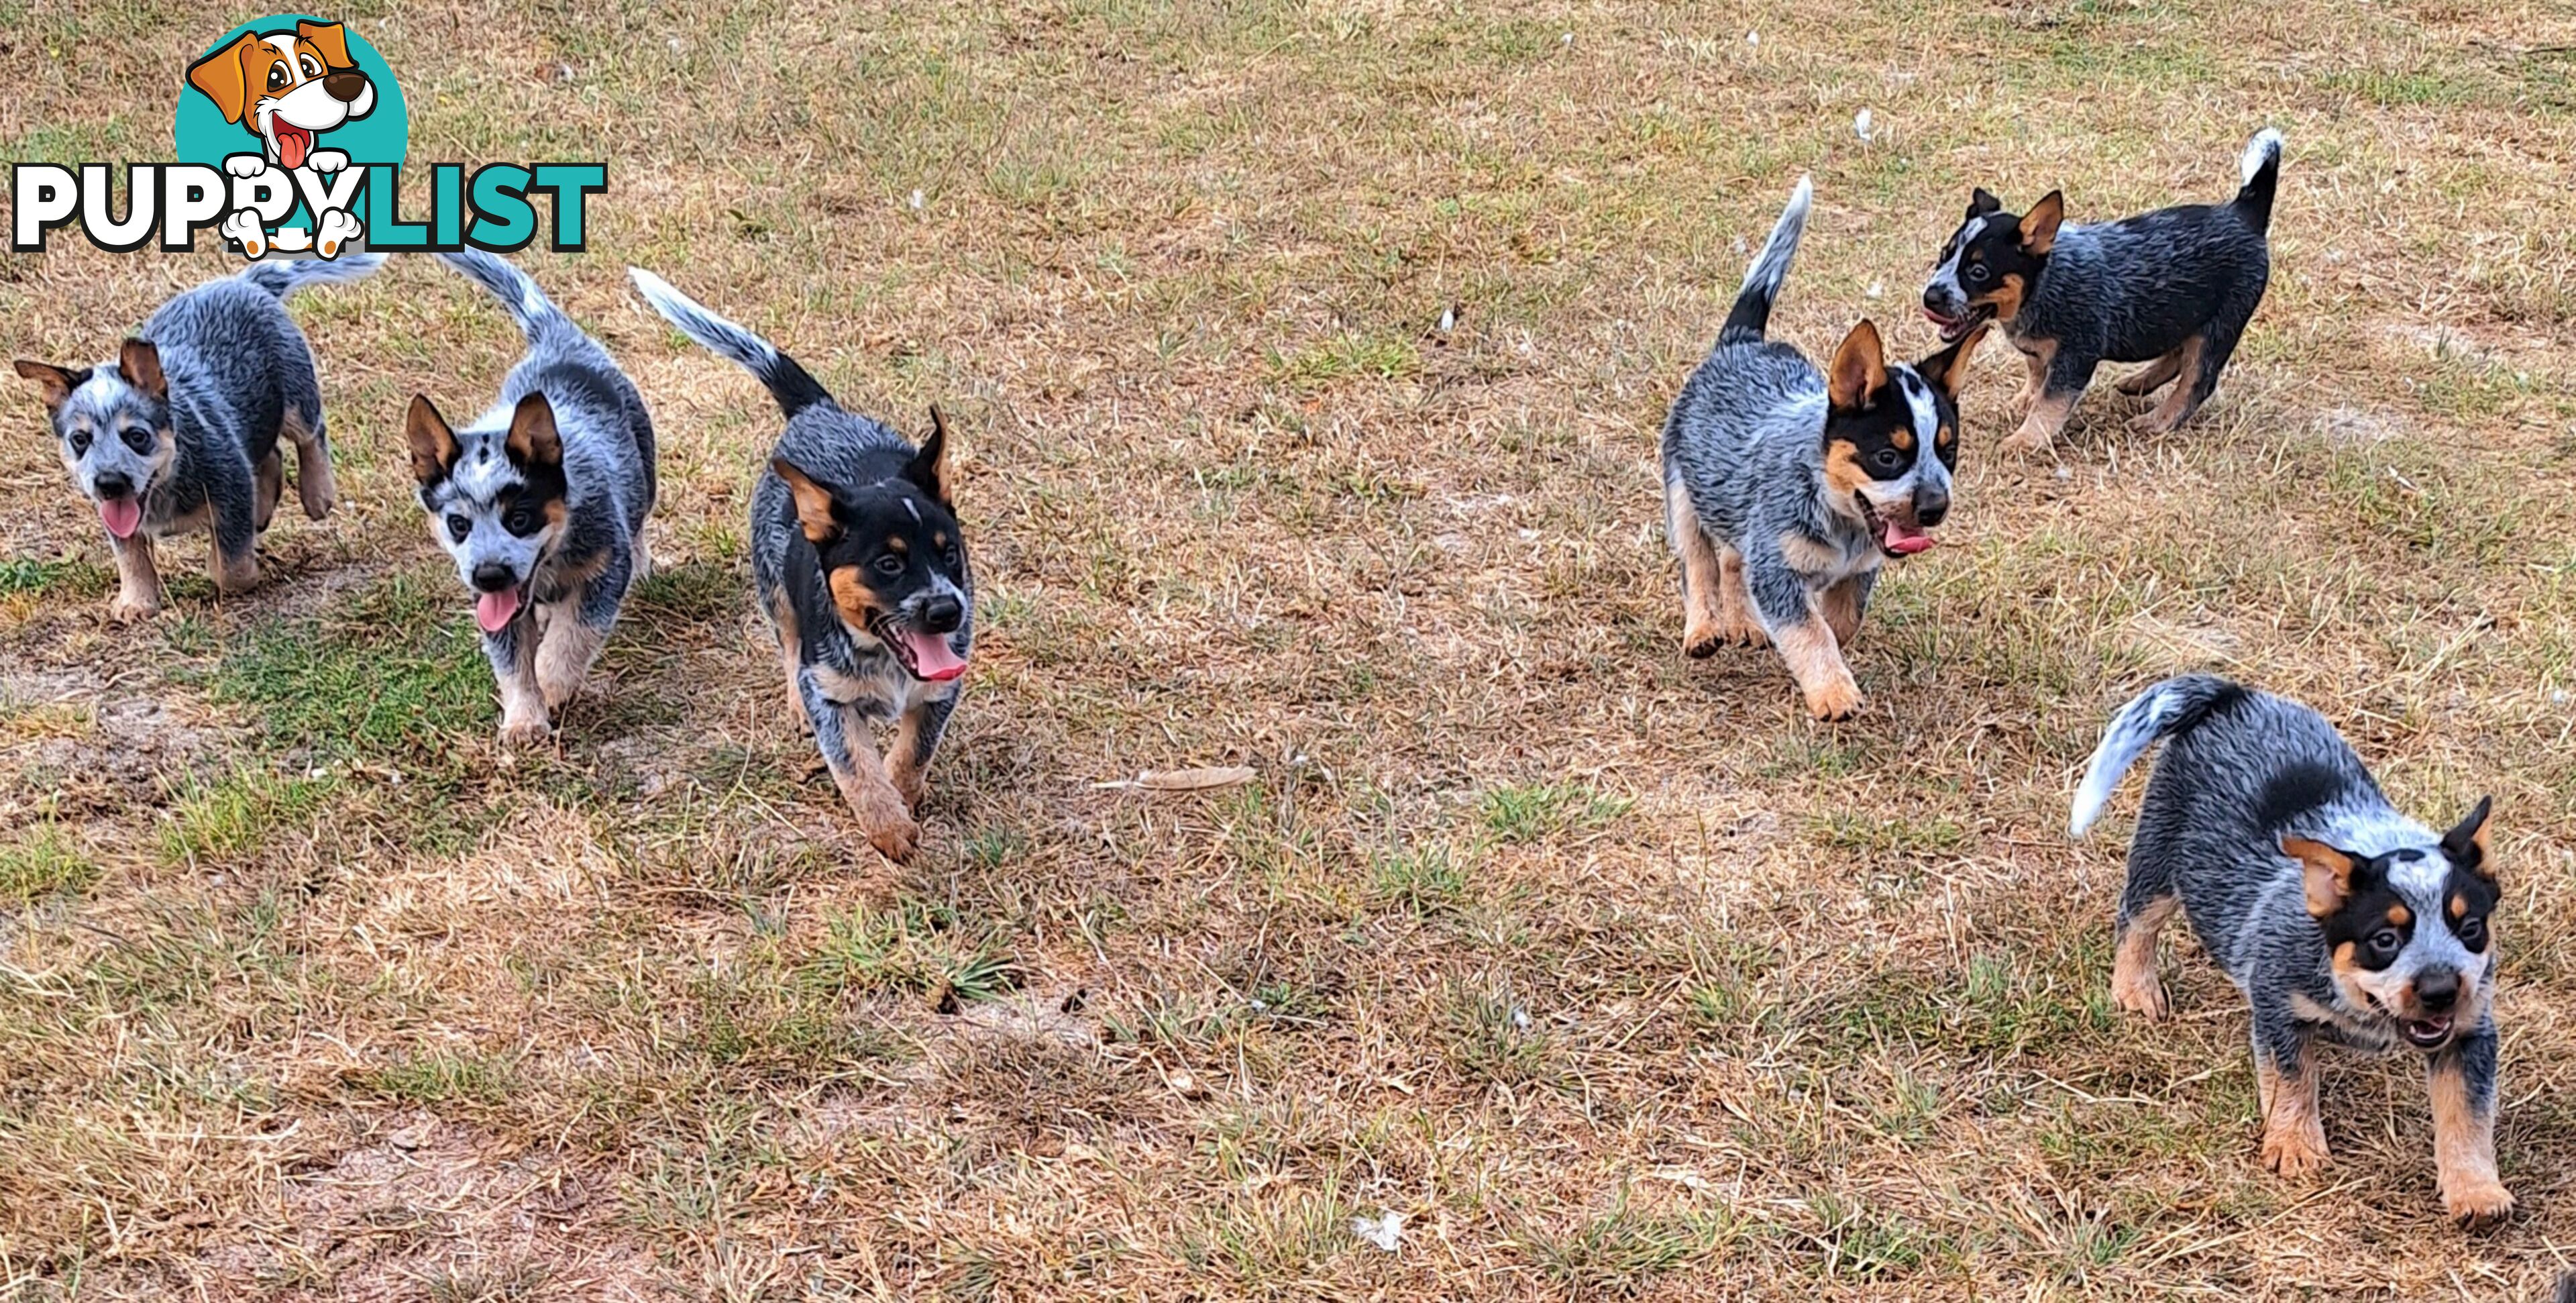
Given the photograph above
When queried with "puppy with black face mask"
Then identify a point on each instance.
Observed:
(859, 563)
(540, 501)
(1785, 488)
(2343, 921)
(180, 431)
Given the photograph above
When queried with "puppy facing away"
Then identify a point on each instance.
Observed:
(857, 558)
(2342, 920)
(179, 431)
(2172, 288)
(541, 501)
(1785, 488)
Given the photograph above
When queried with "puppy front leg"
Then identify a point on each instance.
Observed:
(2462, 1081)
(860, 773)
(1845, 603)
(916, 739)
(236, 526)
(1791, 618)
(138, 583)
(2285, 1082)
(513, 653)
(575, 634)
(2062, 374)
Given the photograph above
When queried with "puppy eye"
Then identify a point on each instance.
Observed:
(137, 438)
(889, 565)
(277, 76)
(458, 527)
(2473, 933)
(1978, 273)
(2386, 941)
(1887, 459)
(521, 521)
(312, 67)
(955, 560)
(79, 439)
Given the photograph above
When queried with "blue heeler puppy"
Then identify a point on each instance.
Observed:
(2173, 287)
(1785, 488)
(2342, 920)
(541, 501)
(179, 431)
(857, 558)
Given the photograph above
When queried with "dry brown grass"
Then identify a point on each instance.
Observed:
(1607, 970)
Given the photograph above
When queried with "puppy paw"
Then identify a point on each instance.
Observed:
(894, 834)
(1700, 640)
(133, 608)
(2476, 1201)
(1743, 633)
(243, 228)
(234, 576)
(1835, 701)
(2155, 422)
(326, 161)
(2140, 994)
(525, 733)
(2025, 441)
(335, 231)
(320, 496)
(558, 692)
(245, 166)
(2295, 1151)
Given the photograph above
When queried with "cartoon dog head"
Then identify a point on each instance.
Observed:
(286, 87)
(1892, 437)
(1992, 260)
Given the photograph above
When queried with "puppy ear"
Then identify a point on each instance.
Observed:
(1949, 367)
(929, 467)
(2039, 225)
(140, 363)
(1859, 367)
(330, 38)
(813, 502)
(223, 78)
(433, 445)
(1983, 203)
(2466, 842)
(2326, 872)
(533, 440)
(58, 382)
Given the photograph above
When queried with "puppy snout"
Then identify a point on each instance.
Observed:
(113, 484)
(1930, 505)
(494, 578)
(345, 86)
(942, 614)
(2437, 992)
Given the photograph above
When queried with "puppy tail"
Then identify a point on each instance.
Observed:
(284, 276)
(2262, 169)
(537, 315)
(788, 382)
(2170, 708)
(1752, 313)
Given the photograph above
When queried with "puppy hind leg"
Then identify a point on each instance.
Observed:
(576, 633)
(272, 486)
(2157, 374)
(1737, 623)
(315, 485)
(2188, 391)
(1703, 623)
(2145, 907)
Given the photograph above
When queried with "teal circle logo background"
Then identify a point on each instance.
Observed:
(200, 134)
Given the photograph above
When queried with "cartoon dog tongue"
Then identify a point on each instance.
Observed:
(493, 610)
(932, 658)
(121, 515)
(293, 143)
(1906, 540)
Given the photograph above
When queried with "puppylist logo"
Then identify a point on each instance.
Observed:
(290, 137)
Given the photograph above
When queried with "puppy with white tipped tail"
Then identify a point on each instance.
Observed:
(859, 563)
(541, 501)
(2342, 920)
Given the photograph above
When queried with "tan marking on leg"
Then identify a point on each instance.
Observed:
(1840, 605)
(271, 477)
(1737, 625)
(2133, 965)
(564, 655)
(234, 574)
(2294, 1134)
(2048, 416)
(523, 704)
(315, 485)
(2177, 401)
(1701, 605)
(138, 583)
(2158, 374)
(1816, 662)
(882, 812)
(783, 612)
(2464, 1151)
(2035, 357)
(911, 778)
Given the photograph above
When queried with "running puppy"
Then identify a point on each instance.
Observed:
(1785, 489)
(861, 566)
(541, 501)
(2173, 288)
(179, 431)
(2341, 919)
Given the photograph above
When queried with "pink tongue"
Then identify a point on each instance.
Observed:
(1906, 540)
(932, 658)
(493, 610)
(292, 144)
(121, 515)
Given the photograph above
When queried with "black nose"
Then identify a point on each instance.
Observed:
(2437, 992)
(942, 614)
(1930, 506)
(494, 578)
(1934, 299)
(345, 86)
(113, 485)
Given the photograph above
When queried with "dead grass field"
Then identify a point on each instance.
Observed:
(1609, 971)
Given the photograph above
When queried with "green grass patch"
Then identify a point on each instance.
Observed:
(1528, 814)
(1349, 356)
(438, 1077)
(394, 673)
(44, 862)
(233, 816)
(52, 578)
